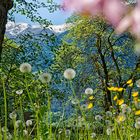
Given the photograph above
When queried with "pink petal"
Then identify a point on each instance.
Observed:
(113, 10)
(124, 24)
(136, 21)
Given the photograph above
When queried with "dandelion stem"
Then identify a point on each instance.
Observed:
(5, 109)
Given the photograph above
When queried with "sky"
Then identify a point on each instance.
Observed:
(57, 18)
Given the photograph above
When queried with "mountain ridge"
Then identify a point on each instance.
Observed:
(16, 29)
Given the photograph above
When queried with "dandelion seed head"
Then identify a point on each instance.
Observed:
(29, 122)
(108, 122)
(109, 114)
(137, 125)
(108, 131)
(137, 105)
(19, 92)
(17, 123)
(13, 115)
(126, 109)
(4, 129)
(137, 49)
(84, 106)
(25, 68)
(25, 132)
(121, 118)
(123, 106)
(89, 91)
(69, 73)
(93, 135)
(98, 118)
(68, 132)
(9, 136)
(138, 119)
(138, 83)
(75, 101)
(45, 77)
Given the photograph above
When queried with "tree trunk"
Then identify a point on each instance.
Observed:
(5, 6)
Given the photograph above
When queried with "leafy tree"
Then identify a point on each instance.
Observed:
(109, 58)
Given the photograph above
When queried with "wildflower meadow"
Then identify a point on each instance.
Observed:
(75, 81)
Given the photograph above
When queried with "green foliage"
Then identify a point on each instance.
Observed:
(67, 56)
(30, 10)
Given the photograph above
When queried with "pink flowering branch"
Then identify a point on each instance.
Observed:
(114, 11)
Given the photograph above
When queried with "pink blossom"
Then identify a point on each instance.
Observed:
(111, 9)
(131, 21)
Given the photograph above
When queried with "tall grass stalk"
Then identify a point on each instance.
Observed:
(5, 110)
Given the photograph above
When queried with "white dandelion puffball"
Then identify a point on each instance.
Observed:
(13, 115)
(137, 49)
(69, 74)
(137, 125)
(25, 132)
(108, 122)
(25, 68)
(29, 122)
(108, 131)
(126, 110)
(4, 129)
(75, 101)
(138, 120)
(89, 91)
(109, 114)
(19, 92)
(9, 136)
(98, 118)
(93, 135)
(138, 83)
(123, 106)
(17, 123)
(45, 77)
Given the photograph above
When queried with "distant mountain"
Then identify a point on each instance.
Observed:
(37, 42)
(16, 29)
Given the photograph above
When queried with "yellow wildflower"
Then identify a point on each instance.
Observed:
(115, 89)
(137, 112)
(90, 105)
(115, 98)
(129, 81)
(120, 89)
(135, 94)
(91, 97)
(110, 88)
(135, 98)
(130, 85)
(120, 101)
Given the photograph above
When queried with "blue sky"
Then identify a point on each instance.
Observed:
(58, 17)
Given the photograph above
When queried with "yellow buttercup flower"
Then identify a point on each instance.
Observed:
(115, 89)
(120, 101)
(115, 98)
(90, 105)
(129, 81)
(110, 88)
(135, 98)
(91, 97)
(120, 89)
(137, 112)
(135, 94)
(130, 85)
